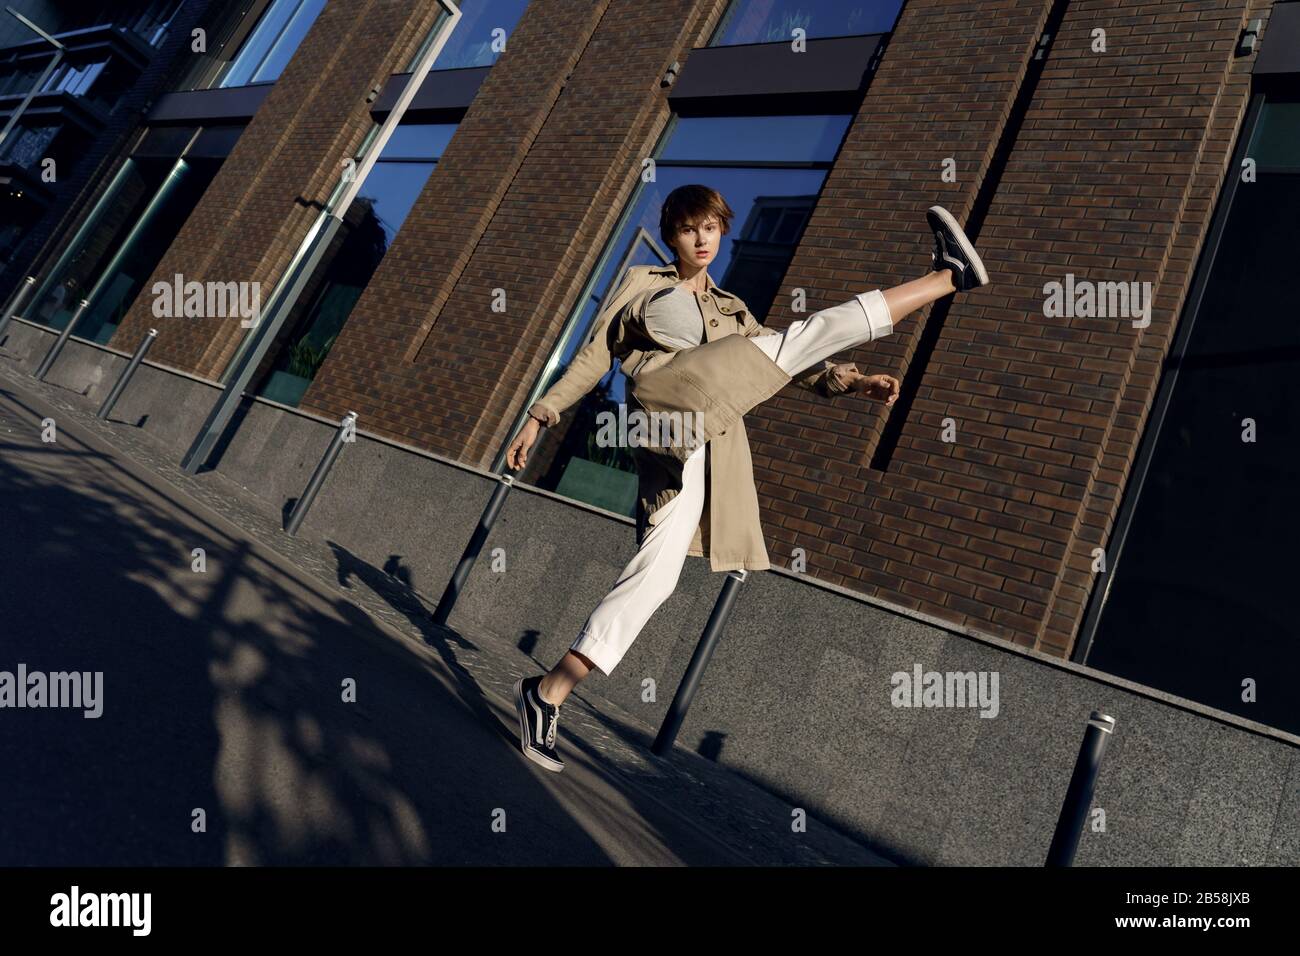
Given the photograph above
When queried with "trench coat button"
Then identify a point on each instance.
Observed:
(713, 321)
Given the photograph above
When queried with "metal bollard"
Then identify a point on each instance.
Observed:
(448, 600)
(23, 292)
(318, 476)
(699, 660)
(62, 340)
(1078, 797)
(125, 377)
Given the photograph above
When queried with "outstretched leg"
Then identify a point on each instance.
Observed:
(909, 297)
(864, 318)
(869, 315)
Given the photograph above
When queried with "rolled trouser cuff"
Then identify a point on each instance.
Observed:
(595, 649)
(877, 310)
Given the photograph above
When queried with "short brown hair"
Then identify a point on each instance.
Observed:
(692, 203)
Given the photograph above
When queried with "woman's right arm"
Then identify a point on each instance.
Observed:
(588, 366)
(517, 453)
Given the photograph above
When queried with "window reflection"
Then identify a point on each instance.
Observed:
(1277, 140)
(484, 25)
(772, 204)
(116, 250)
(134, 261)
(147, 19)
(73, 78)
(750, 138)
(272, 43)
(772, 21)
(371, 224)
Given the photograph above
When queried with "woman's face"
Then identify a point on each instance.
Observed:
(697, 243)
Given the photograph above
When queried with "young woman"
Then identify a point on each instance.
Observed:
(692, 348)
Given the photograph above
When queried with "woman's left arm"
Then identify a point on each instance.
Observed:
(827, 379)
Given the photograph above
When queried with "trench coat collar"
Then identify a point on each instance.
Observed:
(671, 270)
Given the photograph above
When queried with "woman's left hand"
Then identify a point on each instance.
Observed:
(883, 388)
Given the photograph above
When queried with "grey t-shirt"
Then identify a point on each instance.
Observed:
(673, 317)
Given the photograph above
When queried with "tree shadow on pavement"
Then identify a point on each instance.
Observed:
(223, 692)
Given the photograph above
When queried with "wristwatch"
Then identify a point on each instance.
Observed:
(542, 421)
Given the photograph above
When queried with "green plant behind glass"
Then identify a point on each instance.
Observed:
(305, 361)
(599, 401)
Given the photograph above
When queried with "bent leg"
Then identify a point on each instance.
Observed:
(650, 577)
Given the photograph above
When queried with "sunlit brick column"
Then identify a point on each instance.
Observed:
(944, 91)
(1219, 107)
(523, 199)
(1111, 179)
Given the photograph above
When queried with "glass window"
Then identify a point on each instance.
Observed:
(17, 80)
(74, 78)
(120, 245)
(152, 23)
(1276, 143)
(484, 26)
(88, 75)
(149, 19)
(770, 169)
(1199, 598)
(87, 69)
(56, 77)
(370, 225)
(27, 146)
(789, 139)
(774, 21)
(143, 246)
(267, 50)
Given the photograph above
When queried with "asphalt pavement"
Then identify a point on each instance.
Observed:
(253, 712)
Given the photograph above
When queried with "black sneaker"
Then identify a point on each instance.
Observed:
(953, 251)
(537, 724)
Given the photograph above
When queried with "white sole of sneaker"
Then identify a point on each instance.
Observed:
(960, 235)
(521, 708)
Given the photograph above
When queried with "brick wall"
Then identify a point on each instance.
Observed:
(1110, 175)
(1198, 97)
(945, 88)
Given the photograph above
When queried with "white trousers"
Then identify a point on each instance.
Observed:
(652, 574)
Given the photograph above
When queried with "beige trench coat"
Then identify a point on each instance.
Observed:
(722, 382)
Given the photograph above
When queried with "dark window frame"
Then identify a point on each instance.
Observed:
(1284, 91)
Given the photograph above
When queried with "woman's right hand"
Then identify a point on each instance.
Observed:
(517, 453)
